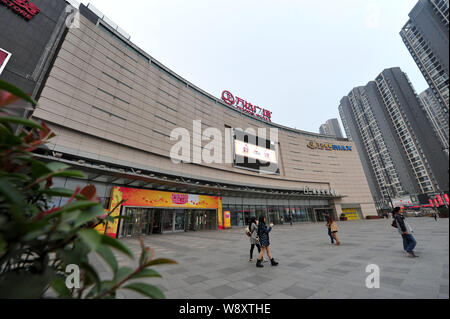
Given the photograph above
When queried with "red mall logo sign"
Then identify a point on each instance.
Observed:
(24, 8)
(241, 104)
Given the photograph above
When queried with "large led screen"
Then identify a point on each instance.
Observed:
(255, 153)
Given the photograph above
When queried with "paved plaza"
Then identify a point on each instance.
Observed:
(214, 264)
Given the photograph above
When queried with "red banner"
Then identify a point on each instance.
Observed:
(446, 199)
(439, 198)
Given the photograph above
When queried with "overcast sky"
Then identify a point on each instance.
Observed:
(297, 58)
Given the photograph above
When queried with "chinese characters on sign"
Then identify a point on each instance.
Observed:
(180, 199)
(329, 147)
(256, 152)
(24, 8)
(241, 104)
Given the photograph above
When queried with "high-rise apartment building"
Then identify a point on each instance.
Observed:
(400, 153)
(331, 127)
(426, 37)
(437, 117)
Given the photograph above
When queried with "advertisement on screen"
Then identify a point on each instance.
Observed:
(255, 153)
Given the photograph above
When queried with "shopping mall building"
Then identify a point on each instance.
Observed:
(114, 108)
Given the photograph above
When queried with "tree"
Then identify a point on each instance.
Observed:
(39, 243)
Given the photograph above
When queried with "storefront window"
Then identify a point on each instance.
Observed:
(261, 211)
(275, 215)
(287, 214)
(249, 212)
(236, 214)
(303, 215)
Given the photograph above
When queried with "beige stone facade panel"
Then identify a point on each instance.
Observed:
(125, 108)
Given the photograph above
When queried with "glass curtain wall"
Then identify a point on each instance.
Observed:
(277, 214)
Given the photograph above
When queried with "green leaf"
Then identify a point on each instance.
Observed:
(89, 214)
(91, 275)
(147, 290)
(146, 273)
(57, 167)
(59, 285)
(109, 219)
(11, 193)
(106, 253)
(20, 120)
(24, 285)
(61, 192)
(79, 205)
(90, 237)
(39, 169)
(122, 273)
(160, 261)
(114, 243)
(144, 256)
(16, 91)
(76, 255)
(69, 173)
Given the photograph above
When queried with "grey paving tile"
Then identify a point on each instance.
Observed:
(298, 292)
(350, 264)
(318, 269)
(195, 279)
(221, 292)
(298, 265)
(337, 271)
(443, 289)
(391, 281)
(257, 279)
(177, 270)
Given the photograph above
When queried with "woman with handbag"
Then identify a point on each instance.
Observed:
(263, 234)
(334, 230)
(328, 224)
(253, 230)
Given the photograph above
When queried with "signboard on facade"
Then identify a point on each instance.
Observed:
(150, 198)
(4, 58)
(24, 8)
(227, 219)
(254, 151)
(248, 107)
(402, 201)
(329, 147)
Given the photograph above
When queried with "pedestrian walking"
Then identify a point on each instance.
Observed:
(291, 218)
(435, 216)
(328, 224)
(254, 240)
(334, 230)
(405, 230)
(263, 234)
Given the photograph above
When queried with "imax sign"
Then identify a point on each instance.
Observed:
(329, 147)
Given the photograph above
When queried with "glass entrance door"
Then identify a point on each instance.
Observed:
(179, 220)
(168, 221)
(157, 221)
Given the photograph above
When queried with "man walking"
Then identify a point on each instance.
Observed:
(409, 242)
